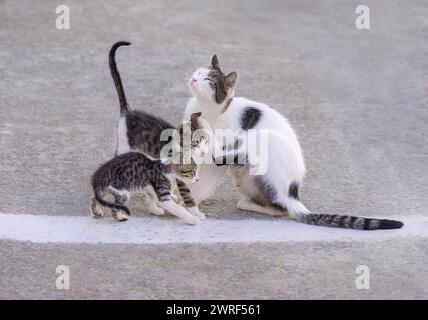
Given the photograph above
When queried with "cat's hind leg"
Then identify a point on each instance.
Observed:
(120, 199)
(152, 203)
(248, 205)
(96, 209)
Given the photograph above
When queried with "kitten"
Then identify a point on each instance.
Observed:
(274, 192)
(133, 171)
(141, 131)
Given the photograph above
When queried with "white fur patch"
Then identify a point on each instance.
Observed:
(122, 137)
(179, 212)
(124, 193)
(195, 211)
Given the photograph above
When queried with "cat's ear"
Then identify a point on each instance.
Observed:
(231, 79)
(194, 124)
(214, 63)
(195, 115)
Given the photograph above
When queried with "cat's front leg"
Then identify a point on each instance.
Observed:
(162, 189)
(178, 211)
(188, 200)
(152, 203)
(209, 177)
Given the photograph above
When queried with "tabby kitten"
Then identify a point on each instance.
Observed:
(141, 131)
(133, 171)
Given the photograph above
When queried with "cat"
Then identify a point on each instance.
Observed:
(141, 131)
(276, 191)
(133, 171)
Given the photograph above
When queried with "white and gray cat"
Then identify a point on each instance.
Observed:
(140, 131)
(275, 192)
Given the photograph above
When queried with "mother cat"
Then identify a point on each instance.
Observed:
(274, 192)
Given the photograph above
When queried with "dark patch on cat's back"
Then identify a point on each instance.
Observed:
(142, 119)
(293, 191)
(250, 117)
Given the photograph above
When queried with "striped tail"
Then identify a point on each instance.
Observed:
(116, 76)
(349, 222)
(298, 212)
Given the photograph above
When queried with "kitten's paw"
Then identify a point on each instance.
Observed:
(195, 211)
(192, 220)
(157, 211)
(119, 216)
(174, 197)
(241, 204)
(96, 210)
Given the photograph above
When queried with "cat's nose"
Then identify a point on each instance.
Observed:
(193, 80)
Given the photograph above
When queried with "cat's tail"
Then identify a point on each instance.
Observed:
(298, 212)
(116, 76)
(110, 205)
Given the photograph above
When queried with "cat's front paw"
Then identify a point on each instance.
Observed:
(195, 211)
(157, 211)
(192, 220)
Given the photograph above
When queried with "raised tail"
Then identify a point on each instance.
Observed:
(110, 205)
(116, 76)
(298, 212)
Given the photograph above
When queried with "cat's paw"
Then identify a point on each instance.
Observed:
(192, 220)
(195, 211)
(157, 211)
(119, 216)
(96, 210)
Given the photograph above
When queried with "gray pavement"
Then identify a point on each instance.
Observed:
(357, 99)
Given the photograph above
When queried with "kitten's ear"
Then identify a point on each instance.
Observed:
(214, 63)
(195, 115)
(231, 79)
(194, 120)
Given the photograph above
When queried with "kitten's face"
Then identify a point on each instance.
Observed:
(211, 84)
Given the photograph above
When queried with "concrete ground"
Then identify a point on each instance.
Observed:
(357, 99)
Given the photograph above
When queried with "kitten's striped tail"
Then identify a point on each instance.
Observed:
(298, 212)
(116, 76)
(110, 205)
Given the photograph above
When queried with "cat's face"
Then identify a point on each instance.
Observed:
(211, 84)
